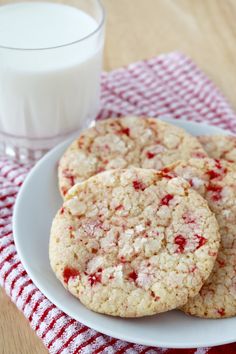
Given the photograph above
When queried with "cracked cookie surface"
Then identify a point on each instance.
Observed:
(133, 242)
(122, 143)
(215, 180)
(219, 146)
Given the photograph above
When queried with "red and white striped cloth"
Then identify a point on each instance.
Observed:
(166, 85)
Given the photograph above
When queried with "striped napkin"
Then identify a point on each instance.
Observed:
(169, 85)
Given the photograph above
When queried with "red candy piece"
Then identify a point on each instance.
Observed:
(95, 278)
(62, 210)
(221, 263)
(181, 242)
(156, 298)
(201, 241)
(150, 155)
(216, 191)
(166, 199)
(212, 174)
(214, 188)
(122, 259)
(199, 155)
(119, 207)
(165, 173)
(188, 219)
(212, 254)
(133, 275)
(69, 176)
(91, 226)
(218, 164)
(80, 142)
(221, 312)
(68, 273)
(71, 229)
(100, 169)
(190, 181)
(138, 185)
(64, 190)
(107, 147)
(124, 131)
(192, 270)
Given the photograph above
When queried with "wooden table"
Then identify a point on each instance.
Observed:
(137, 29)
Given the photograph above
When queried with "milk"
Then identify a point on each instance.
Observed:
(47, 94)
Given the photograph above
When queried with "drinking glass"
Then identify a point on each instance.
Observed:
(50, 67)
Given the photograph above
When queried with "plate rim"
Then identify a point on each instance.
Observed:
(56, 302)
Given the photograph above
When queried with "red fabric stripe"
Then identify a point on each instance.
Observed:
(5, 246)
(36, 305)
(7, 259)
(5, 174)
(30, 295)
(19, 184)
(58, 335)
(20, 275)
(22, 287)
(74, 335)
(7, 234)
(4, 197)
(19, 175)
(4, 225)
(104, 346)
(43, 316)
(223, 349)
(15, 265)
(4, 222)
(51, 325)
(184, 351)
(9, 206)
(89, 341)
(4, 217)
(122, 350)
(144, 351)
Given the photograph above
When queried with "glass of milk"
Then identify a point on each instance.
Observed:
(50, 67)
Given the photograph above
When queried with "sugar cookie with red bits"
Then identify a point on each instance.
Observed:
(124, 142)
(220, 146)
(215, 180)
(122, 246)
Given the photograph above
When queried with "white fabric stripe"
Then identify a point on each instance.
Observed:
(44, 304)
(90, 348)
(52, 332)
(79, 340)
(53, 313)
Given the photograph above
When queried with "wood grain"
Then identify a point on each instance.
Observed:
(16, 336)
(136, 29)
(203, 29)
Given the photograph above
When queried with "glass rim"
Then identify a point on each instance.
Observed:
(98, 28)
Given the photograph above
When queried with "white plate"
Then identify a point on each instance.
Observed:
(35, 208)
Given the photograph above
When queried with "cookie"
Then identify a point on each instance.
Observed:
(125, 142)
(220, 146)
(121, 243)
(215, 180)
